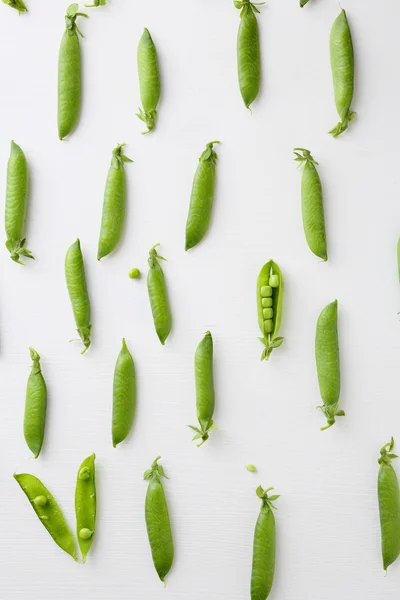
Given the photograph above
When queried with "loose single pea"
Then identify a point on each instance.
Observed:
(35, 406)
(264, 548)
(85, 504)
(389, 506)
(113, 217)
(48, 512)
(149, 80)
(69, 74)
(158, 296)
(17, 4)
(251, 468)
(270, 313)
(202, 197)
(157, 521)
(17, 193)
(205, 395)
(77, 289)
(124, 395)
(248, 51)
(342, 64)
(328, 363)
(312, 206)
(134, 273)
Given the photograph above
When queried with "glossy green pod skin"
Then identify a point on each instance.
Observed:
(48, 511)
(205, 395)
(342, 64)
(17, 4)
(35, 406)
(264, 548)
(69, 74)
(158, 296)
(389, 506)
(312, 205)
(124, 395)
(158, 522)
(202, 197)
(328, 363)
(248, 51)
(113, 218)
(269, 306)
(149, 80)
(17, 193)
(77, 289)
(85, 505)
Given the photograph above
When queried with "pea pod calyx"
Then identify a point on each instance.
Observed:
(209, 153)
(70, 19)
(386, 455)
(16, 250)
(246, 5)
(303, 156)
(267, 501)
(154, 256)
(156, 471)
(203, 431)
(118, 158)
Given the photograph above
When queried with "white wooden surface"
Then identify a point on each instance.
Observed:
(328, 527)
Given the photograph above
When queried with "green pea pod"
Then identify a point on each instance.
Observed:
(248, 51)
(113, 218)
(16, 203)
(158, 522)
(77, 289)
(17, 4)
(124, 395)
(35, 406)
(263, 568)
(312, 204)
(205, 395)
(342, 64)
(158, 296)
(328, 364)
(48, 511)
(69, 74)
(149, 80)
(202, 197)
(269, 306)
(389, 505)
(85, 504)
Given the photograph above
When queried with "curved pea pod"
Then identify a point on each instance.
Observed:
(149, 80)
(205, 395)
(17, 4)
(158, 296)
(312, 204)
(124, 395)
(77, 289)
(269, 306)
(157, 521)
(85, 505)
(48, 511)
(264, 545)
(69, 74)
(113, 217)
(35, 406)
(248, 51)
(202, 197)
(389, 505)
(342, 64)
(328, 363)
(17, 193)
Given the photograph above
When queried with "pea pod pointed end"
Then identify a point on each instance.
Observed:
(342, 125)
(149, 119)
(202, 433)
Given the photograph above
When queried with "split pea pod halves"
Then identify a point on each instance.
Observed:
(158, 522)
(85, 504)
(77, 289)
(389, 506)
(16, 203)
(248, 51)
(69, 74)
(158, 296)
(124, 395)
(149, 80)
(202, 197)
(205, 395)
(342, 64)
(312, 204)
(35, 406)
(328, 363)
(269, 306)
(48, 511)
(113, 217)
(263, 568)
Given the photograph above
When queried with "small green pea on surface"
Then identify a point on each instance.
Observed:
(134, 274)
(251, 468)
(17, 4)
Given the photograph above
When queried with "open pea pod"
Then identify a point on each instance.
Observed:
(270, 292)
